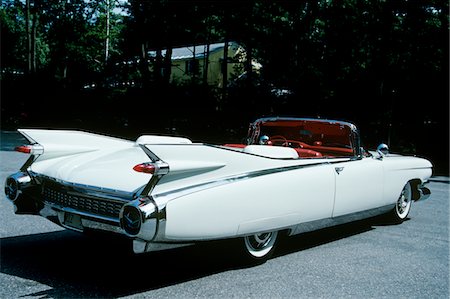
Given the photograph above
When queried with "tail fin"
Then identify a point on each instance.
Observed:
(56, 143)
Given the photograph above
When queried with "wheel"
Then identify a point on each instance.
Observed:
(403, 204)
(260, 247)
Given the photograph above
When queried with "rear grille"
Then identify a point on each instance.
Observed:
(61, 195)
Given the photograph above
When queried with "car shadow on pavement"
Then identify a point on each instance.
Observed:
(319, 237)
(75, 265)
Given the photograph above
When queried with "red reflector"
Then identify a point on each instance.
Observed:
(24, 149)
(145, 168)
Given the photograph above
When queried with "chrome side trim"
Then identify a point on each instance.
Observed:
(162, 168)
(328, 222)
(28, 163)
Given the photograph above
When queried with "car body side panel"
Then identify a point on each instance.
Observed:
(399, 170)
(246, 206)
(224, 163)
(359, 186)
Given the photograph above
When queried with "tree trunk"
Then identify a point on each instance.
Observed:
(225, 70)
(167, 72)
(33, 42)
(107, 32)
(144, 66)
(194, 73)
(206, 65)
(27, 30)
(157, 68)
(248, 66)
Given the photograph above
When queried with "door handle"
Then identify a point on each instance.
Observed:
(339, 169)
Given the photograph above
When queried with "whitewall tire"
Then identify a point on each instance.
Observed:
(403, 204)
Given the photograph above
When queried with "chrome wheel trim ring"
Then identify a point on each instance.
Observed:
(403, 204)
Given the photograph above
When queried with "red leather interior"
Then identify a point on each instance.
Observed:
(310, 151)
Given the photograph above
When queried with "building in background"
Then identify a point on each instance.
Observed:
(205, 63)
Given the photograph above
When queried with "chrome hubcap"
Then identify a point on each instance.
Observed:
(259, 245)
(404, 202)
(259, 241)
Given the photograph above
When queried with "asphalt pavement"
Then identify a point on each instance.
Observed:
(365, 259)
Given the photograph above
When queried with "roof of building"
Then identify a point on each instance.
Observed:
(188, 52)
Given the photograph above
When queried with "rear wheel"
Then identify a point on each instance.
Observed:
(260, 247)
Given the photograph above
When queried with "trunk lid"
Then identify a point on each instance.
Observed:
(88, 159)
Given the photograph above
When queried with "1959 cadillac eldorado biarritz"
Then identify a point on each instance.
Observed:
(292, 176)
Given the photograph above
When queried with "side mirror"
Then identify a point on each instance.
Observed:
(264, 140)
(382, 150)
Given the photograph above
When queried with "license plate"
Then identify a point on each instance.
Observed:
(73, 220)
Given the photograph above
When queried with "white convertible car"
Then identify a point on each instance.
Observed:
(293, 175)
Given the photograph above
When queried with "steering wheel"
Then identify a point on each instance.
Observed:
(279, 138)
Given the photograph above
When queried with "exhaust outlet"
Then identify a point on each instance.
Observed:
(424, 193)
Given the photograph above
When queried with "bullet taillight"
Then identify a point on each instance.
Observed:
(34, 149)
(145, 168)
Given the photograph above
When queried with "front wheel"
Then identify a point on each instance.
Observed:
(403, 205)
(260, 247)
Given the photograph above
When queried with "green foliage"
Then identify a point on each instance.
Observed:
(13, 37)
(322, 50)
(69, 37)
(301, 44)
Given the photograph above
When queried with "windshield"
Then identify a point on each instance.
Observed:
(329, 138)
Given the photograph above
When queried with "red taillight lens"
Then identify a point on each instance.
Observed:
(26, 149)
(34, 149)
(145, 168)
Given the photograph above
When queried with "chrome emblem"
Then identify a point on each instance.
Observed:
(131, 220)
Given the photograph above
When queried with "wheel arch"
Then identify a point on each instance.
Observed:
(415, 183)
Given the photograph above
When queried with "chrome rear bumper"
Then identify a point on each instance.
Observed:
(58, 215)
(80, 207)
